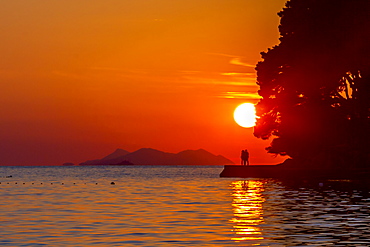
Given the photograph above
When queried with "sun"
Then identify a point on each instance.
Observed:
(245, 115)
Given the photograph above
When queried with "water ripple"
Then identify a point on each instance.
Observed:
(175, 206)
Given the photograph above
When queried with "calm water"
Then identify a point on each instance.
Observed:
(175, 206)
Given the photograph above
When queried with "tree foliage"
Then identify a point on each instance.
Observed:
(315, 85)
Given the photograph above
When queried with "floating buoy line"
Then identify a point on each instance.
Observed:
(51, 183)
(45, 183)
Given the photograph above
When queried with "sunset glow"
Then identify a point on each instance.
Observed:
(81, 79)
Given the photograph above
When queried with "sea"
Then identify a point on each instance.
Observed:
(176, 206)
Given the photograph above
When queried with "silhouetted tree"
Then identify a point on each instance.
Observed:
(316, 83)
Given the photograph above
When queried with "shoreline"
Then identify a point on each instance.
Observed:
(281, 171)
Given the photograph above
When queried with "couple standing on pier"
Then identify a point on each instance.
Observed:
(245, 157)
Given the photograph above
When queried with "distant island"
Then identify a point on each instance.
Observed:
(149, 156)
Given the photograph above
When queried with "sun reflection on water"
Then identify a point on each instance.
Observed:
(247, 210)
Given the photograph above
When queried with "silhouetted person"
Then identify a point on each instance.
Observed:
(245, 157)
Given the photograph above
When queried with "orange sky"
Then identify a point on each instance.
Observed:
(79, 79)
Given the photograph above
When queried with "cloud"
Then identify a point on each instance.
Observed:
(239, 74)
(220, 54)
(240, 95)
(235, 60)
(106, 68)
(238, 61)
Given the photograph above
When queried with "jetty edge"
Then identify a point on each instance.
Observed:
(281, 171)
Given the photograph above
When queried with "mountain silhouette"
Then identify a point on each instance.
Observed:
(149, 156)
(200, 156)
(116, 154)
